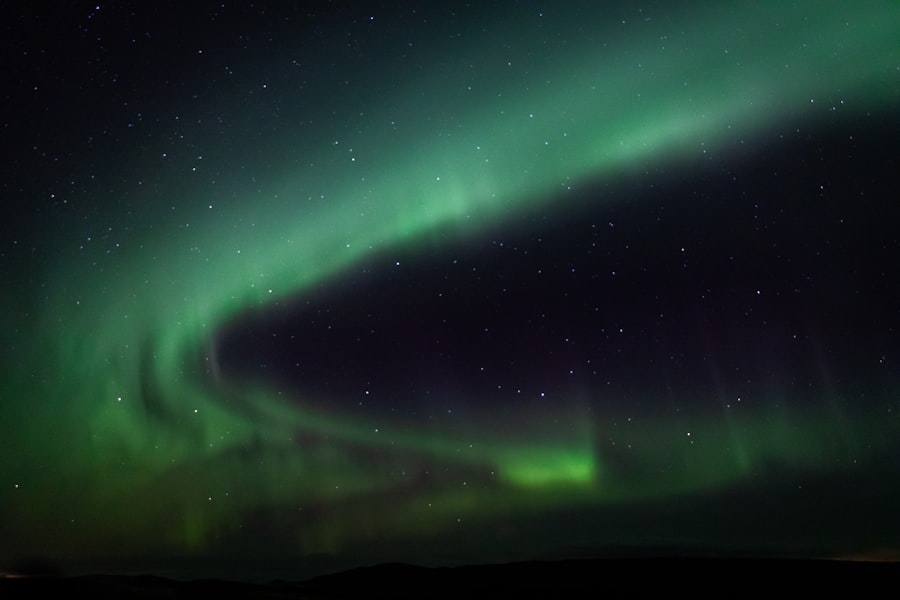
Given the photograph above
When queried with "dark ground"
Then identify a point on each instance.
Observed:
(615, 578)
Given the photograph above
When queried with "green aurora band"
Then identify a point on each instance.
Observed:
(141, 438)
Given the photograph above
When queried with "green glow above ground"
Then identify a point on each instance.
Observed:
(125, 429)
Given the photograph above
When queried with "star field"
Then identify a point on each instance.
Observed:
(448, 283)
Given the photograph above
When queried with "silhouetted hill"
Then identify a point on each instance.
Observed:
(612, 578)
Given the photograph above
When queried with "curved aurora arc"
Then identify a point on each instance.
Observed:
(148, 441)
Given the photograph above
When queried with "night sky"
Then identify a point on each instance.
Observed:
(306, 284)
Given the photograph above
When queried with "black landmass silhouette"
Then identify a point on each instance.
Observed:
(602, 578)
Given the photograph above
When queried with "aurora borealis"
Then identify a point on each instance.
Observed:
(449, 282)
